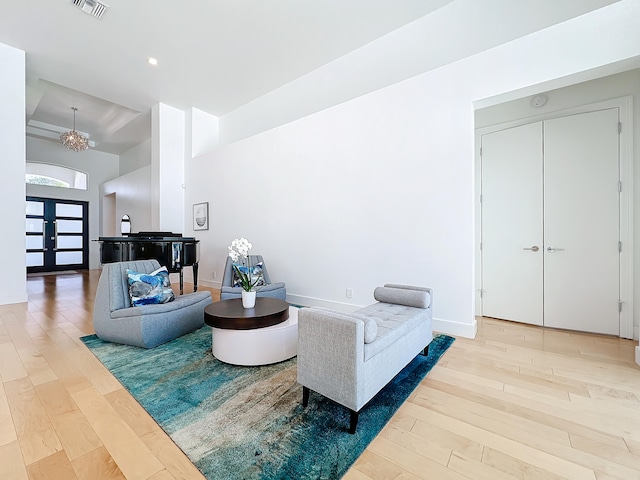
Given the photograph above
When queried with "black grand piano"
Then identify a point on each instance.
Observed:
(172, 250)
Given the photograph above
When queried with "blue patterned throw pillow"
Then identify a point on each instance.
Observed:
(256, 271)
(149, 288)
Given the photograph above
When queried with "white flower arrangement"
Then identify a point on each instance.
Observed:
(239, 252)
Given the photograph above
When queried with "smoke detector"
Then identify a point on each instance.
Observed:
(538, 101)
(91, 7)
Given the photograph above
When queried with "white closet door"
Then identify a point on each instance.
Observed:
(581, 217)
(512, 224)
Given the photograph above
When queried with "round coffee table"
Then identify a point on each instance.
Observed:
(267, 333)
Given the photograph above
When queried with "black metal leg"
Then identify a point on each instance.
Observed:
(425, 352)
(194, 267)
(353, 422)
(305, 396)
(181, 283)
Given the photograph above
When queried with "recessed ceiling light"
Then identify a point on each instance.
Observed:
(152, 61)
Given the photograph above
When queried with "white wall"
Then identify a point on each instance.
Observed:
(381, 188)
(168, 134)
(98, 166)
(351, 197)
(584, 93)
(202, 132)
(135, 158)
(132, 197)
(456, 30)
(13, 282)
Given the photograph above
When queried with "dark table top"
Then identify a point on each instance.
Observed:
(230, 314)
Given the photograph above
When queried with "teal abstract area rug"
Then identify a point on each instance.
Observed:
(248, 422)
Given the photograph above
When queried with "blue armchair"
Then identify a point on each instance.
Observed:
(272, 290)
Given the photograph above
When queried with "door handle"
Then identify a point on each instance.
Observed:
(535, 248)
(554, 249)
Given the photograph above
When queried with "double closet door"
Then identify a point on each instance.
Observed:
(550, 223)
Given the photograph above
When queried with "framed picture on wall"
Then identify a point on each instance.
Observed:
(201, 216)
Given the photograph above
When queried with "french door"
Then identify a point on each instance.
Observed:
(57, 235)
(551, 223)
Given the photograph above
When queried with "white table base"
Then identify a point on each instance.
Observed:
(258, 346)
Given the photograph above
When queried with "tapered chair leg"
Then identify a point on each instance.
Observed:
(305, 396)
(353, 422)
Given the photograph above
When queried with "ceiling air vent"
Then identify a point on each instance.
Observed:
(91, 7)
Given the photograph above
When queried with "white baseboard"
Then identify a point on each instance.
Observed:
(175, 278)
(318, 302)
(638, 355)
(208, 283)
(457, 329)
(448, 327)
(11, 299)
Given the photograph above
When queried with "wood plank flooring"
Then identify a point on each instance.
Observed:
(517, 402)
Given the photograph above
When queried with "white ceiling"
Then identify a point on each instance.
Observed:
(215, 55)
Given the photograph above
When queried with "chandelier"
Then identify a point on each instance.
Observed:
(74, 140)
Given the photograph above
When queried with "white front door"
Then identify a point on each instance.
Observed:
(512, 234)
(582, 229)
(553, 185)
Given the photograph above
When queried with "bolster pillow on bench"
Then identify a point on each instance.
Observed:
(402, 296)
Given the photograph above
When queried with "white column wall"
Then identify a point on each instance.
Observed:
(167, 168)
(380, 188)
(13, 281)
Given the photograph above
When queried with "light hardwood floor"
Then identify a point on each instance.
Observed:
(516, 402)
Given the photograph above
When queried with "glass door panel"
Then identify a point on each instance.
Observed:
(35, 225)
(68, 258)
(35, 208)
(35, 259)
(35, 242)
(69, 226)
(69, 241)
(68, 210)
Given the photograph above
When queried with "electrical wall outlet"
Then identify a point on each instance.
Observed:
(215, 275)
(349, 293)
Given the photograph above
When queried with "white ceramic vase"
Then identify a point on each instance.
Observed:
(248, 299)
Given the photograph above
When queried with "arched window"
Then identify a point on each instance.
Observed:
(55, 176)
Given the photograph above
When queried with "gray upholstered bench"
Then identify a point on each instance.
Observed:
(350, 357)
